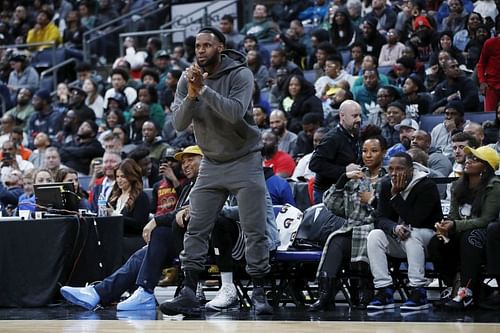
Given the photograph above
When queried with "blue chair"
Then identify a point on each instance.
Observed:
(310, 75)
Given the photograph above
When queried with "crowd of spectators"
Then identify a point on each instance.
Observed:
(400, 62)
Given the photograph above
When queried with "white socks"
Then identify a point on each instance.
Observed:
(226, 278)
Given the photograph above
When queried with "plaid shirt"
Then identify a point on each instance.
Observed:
(345, 202)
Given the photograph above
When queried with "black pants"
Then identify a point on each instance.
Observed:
(493, 248)
(338, 251)
(465, 250)
(224, 237)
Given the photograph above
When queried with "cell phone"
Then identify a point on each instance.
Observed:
(6, 157)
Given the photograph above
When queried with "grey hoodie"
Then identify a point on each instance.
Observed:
(222, 114)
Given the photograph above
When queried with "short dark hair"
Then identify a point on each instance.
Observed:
(406, 157)
(463, 136)
(312, 118)
(227, 17)
(139, 154)
(176, 73)
(83, 67)
(156, 42)
(151, 72)
(327, 47)
(120, 71)
(336, 58)
(18, 130)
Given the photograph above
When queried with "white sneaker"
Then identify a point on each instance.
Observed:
(226, 299)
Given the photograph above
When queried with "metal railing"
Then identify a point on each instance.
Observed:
(106, 29)
(162, 33)
(55, 69)
(29, 46)
(205, 19)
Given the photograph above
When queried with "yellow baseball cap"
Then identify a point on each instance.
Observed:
(194, 150)
(485, 153)
(332, 91)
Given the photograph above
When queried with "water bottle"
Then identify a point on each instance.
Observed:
(101, 204)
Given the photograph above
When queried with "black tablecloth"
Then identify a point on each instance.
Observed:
(38, 256)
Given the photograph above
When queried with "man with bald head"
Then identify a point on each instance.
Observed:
(475, 130)
(339, 152)
(286, 139)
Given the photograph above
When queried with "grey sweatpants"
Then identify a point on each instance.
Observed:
(413, 249)
(245, 179)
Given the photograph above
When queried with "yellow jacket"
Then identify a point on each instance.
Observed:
(49, 33)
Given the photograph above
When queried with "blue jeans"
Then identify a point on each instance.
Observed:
(143, 268)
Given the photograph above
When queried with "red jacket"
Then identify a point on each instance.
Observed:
(488, 67)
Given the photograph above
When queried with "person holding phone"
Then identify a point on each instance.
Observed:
(408, 206)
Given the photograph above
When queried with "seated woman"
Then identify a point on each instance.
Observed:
(27, 201)
(352, 198)
(66, 175)
(299, 99)
(461, 238)
(129, 200)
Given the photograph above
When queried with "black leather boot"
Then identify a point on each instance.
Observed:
(327, 291)
(259, 299)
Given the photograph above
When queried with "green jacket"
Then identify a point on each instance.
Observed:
(489, 210)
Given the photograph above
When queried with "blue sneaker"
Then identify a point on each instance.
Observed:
(383, 299)
(85, 297)
(417, 300)
(139, 300)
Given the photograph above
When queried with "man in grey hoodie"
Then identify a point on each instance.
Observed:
(215, 95)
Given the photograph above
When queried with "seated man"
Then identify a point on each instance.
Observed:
(164, 236)
(453, 122)
(437, 161)
(78, 154)
(402, 232)
(281, 163)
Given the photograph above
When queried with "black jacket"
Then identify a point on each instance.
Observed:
(468, 92)
(135, 219)
(421, 209)
(337, 150)
(79, 155)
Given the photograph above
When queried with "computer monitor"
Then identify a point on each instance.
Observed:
(56, 196)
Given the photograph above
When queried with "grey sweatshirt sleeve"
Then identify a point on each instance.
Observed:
(182, 108)
(233, 107)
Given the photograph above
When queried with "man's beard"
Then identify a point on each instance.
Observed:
(406, 143)
(278, 131)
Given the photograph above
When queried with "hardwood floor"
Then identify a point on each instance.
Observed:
(219, 326)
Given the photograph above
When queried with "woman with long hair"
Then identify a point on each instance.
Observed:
(260, 72)
(128, 198)
(343, 34)
(299, 99)
(148, 94)
(94, 100)
(67, 175)
(352, 198)
(461, 237)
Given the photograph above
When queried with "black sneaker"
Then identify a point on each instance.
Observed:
(462, 301)
(383, 299)
(259, 302)
(417, 300)
(185, 303)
